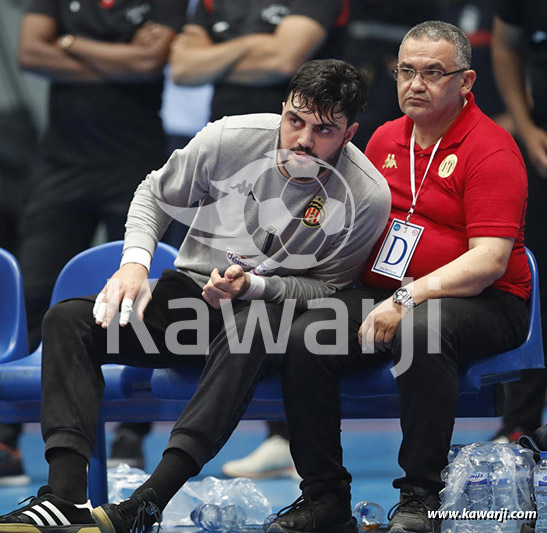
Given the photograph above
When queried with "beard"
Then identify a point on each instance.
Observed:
(295, 169)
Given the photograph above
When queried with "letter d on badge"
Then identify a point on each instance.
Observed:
(397, 249)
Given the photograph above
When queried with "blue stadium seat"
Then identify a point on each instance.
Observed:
(13, 322)
(20, 380)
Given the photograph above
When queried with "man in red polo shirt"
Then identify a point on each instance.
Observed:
(452, 253)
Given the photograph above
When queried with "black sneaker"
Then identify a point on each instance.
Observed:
(49, 513)
(126, 448)
(135, 515)
(12, 473)
(410, 515)
(328, 514)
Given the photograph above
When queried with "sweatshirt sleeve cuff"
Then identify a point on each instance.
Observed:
(256, 288)
(136, 255)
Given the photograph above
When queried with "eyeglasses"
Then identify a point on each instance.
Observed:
(428, 75)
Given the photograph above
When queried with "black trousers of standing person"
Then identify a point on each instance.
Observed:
(490, 323)
(65, 206)
(525, 398)
(74, 348)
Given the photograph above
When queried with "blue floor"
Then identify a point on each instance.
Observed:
(370, 451)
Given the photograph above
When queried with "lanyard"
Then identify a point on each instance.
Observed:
(413, 172)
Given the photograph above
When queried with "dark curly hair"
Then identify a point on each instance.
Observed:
(329, 87)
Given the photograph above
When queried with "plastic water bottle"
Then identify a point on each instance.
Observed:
(268, 521)
(478, 492)
(233, 517)
(369, 515)
(504, 496)
(524, 465)
(453, 452)
(540, 492)
(212, 517)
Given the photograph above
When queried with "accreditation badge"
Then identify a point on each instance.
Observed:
(397, 249)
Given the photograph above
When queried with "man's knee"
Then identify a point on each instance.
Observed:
(67, 315)
(309, 349)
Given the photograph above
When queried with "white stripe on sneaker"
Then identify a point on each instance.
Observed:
(57, 513)
(50, 520)
(35, 517)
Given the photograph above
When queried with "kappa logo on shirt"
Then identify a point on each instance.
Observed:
(539, 36)
(137, 14)
(274, 14)
(390, 161)
(220, 26)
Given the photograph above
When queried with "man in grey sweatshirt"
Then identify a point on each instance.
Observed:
(289, 211)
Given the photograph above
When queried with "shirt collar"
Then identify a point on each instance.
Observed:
(464, 123)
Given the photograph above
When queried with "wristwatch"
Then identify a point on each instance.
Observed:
(65, 42)
(402, 296)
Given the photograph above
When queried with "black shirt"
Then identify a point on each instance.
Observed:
(226, 19)
(531, 17)
(115, 124)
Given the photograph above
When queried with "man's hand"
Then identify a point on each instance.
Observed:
(234, 283)
(536, 145)
(129, 285)
(149, 34)
(191, 37)
(378, 329)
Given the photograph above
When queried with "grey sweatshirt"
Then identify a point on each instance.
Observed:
(305, 240)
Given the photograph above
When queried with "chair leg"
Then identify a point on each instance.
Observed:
(97, 480)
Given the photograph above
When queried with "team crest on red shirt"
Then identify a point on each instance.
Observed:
(314, 213)
(107, 4)
(447, 166)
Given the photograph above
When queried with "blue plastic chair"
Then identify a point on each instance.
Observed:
(13, 322)
(20, 380)
(372, 393)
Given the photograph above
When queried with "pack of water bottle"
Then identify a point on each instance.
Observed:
(211, 504)
(485, 483)
(540, 491)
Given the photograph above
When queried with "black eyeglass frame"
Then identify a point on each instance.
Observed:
(395, 72)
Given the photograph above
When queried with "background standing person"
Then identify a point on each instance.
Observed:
(104, 61)
(519, 49)
(249, 50)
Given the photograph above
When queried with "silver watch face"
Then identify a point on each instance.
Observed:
(400, 294)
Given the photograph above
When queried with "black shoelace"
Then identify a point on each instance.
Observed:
(412, 503)
(141, 522)
(300, 503)
(303, 502)
(30, 499)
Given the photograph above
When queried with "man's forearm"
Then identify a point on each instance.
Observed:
(261, 66)
(50, 61)
(199, 65)
(510, 76)
(118, 61)
(277, 56)
(466, 276)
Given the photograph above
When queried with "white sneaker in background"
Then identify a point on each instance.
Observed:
(271, 459)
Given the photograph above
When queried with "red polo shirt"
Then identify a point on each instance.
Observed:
(476, 187)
